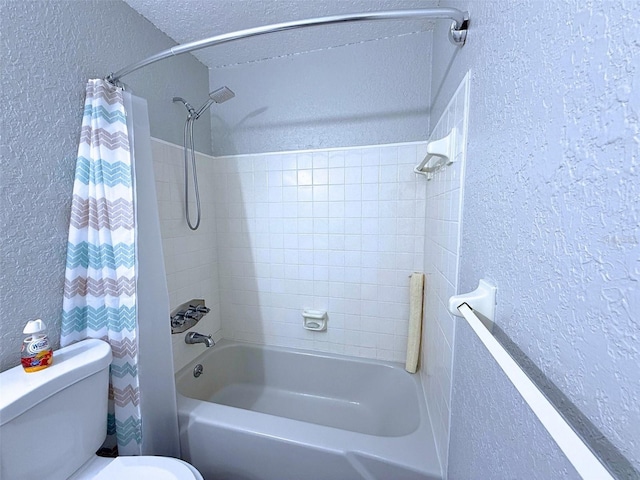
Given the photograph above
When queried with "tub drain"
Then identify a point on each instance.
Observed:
(197, 370)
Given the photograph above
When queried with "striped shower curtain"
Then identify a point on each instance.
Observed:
(100, 278)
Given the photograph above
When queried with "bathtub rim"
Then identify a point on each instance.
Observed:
(228, 343)
(418, 452)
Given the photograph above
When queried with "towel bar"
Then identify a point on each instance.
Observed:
(581, 457)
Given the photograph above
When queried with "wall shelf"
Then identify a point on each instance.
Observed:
(440, 153)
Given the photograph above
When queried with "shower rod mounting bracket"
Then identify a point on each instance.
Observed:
(458, 33)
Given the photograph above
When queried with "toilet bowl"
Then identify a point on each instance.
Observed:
(136, 468)
(53, 421)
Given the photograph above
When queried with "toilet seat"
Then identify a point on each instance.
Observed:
(137, 468)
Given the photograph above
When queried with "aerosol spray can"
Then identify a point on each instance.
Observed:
(36, 353)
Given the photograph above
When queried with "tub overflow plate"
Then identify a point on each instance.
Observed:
(197, 370)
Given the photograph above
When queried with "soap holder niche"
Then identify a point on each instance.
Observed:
(315, 320)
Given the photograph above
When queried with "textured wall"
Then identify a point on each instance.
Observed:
(497, 437)
(49, 51)
(551, 214)
(368, 93)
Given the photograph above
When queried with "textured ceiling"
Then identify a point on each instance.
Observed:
(189, 20)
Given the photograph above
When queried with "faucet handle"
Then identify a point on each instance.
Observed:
(177, 321)
(187, 315)
(202, 309)
(191, 313)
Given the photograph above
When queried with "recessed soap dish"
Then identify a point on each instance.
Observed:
(315, 320)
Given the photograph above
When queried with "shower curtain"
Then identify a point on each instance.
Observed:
(100, 298)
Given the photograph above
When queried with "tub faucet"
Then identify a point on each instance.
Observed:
(193, 337)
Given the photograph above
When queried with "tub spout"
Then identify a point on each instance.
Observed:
(193, 337)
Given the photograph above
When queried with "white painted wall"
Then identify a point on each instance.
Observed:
(367, 93)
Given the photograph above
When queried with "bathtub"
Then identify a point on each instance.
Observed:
(270, 413)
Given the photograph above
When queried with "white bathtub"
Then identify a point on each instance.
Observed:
(268, 413)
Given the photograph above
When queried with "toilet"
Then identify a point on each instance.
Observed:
(53, 421)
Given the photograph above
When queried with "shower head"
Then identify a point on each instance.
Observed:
(221, 95)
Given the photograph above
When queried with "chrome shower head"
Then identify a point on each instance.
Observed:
(221, 95)
(217, 96)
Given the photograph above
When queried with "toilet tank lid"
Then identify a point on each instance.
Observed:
(20, 391)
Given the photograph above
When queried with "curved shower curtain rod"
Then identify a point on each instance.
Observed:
(457, 32)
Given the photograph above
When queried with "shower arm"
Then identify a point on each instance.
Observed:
(204, 107)
(457, 32)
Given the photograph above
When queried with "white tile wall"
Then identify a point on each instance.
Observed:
(190, 256)
(441, 245)
(338, 229)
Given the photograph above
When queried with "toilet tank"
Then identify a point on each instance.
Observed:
(54, 420)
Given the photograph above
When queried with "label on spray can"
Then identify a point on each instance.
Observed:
(36, 353)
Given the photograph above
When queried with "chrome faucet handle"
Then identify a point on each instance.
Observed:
(202, 309)
(177, 321)
(191, 313)
(187, 315)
